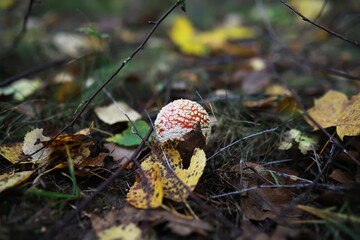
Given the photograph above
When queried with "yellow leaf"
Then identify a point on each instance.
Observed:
(182, 31)
(11, 180)
(4, 4)
(349, 119)
(124, 231)
(173, 189)
(335, 110)
(147, 192)
(184, 35)
(278, 90)
(12, 152)
(327, 109)
(310, 8)
(170, 171)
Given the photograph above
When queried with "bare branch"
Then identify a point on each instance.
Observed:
(355, 43)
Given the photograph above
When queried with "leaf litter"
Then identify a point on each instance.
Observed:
(248, 103)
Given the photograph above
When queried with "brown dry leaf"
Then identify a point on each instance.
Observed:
(335, 110)
(288, 105)
(341, 177)
(97, 161)
(79, 145)
(66, 90)
(263, 203)
(118, 153)
(170, 186)
(274, 91)
(285, 105)
(11, 180)
(111, 114)
(255, 82)
(279, 233)
(13, 152)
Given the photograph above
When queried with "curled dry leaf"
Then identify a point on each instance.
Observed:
(79, 145)
(166, 180)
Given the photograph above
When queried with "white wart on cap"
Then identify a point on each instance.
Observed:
(180, 117)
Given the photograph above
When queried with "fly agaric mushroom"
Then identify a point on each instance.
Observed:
(181, 117)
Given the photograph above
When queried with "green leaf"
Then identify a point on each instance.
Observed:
(129, 137)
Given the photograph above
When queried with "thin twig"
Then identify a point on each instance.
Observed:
(355, 43)
(33, 70)
(305, 185)
(317, 179)
(24, 25)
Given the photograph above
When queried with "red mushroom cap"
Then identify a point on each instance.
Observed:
(180, 117)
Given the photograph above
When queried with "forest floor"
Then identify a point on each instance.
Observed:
(283, 158)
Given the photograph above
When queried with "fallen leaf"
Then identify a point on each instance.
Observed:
(111, 114)
(277, 90)
(13, 152)
(147, 192)
(180, 224)
(184, 35)
(71, 43)
(11, 180)
(294, 136)
(327, 109)
(66, 90)
(118, 153)
(279, 97)
(349, 119)
(262, 203)
(255, 82)
(341, 177)
(33, 142)
(335, 110)
(129, 137)
(128, 231)
(310, 8)
(21, 88)
(166, 179)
